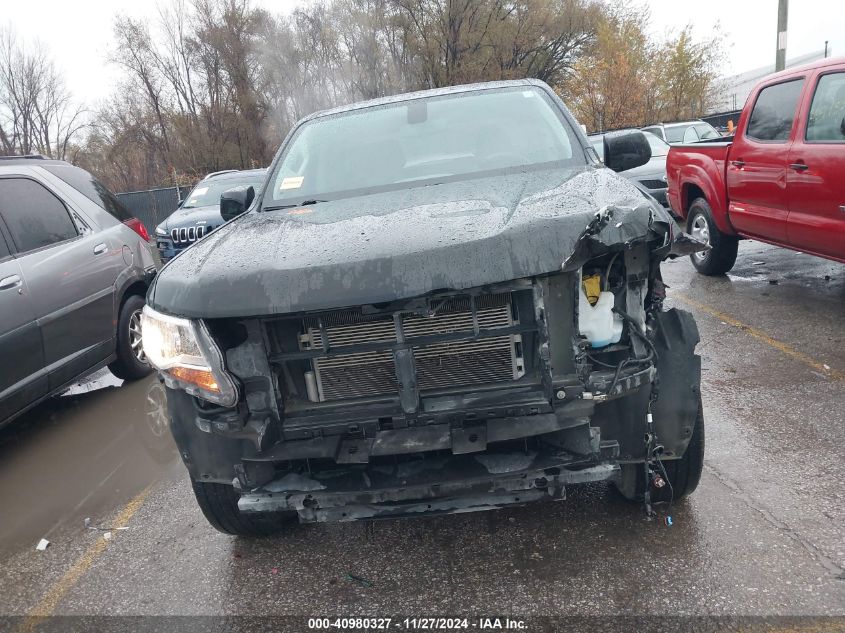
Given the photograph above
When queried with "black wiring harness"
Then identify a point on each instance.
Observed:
(654, 470)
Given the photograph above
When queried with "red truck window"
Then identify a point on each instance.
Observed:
(827, 113)
(774, 112)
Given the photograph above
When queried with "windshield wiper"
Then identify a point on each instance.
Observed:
(304, 203)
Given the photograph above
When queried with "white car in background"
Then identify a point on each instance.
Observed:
(684, 132)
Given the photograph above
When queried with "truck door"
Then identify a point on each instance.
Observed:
(756, 173)
(21, 357)
(816, 174)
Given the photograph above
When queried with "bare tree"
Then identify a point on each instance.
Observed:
(37, 112)
(214, 84)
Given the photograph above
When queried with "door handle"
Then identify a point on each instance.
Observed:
(100, 248)
(799, 166)
(10, 282)
(738, 163)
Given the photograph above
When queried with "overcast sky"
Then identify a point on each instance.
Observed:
(79, 33)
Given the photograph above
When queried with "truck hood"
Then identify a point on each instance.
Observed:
(407, 243)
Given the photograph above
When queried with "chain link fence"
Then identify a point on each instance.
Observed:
(153, 206)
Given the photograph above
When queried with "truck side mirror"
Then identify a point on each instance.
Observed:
(626, 149)
(235, 201)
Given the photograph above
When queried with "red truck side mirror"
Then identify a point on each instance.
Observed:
(626, 149)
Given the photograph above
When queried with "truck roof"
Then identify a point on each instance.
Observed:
(431, 92)
(30, 159)
(797, 70)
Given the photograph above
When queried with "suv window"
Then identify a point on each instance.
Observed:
(827, 113)
(91, 188)
(34, 216)
(691, 136)
(774, 111)
(676, 134)
(4, 248)
(706, 131)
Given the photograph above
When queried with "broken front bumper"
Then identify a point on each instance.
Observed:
(443, 485)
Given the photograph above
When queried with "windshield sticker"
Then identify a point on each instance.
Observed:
(199, 191)
(292, 182)
(300, 211)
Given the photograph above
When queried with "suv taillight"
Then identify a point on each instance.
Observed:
(136, 225)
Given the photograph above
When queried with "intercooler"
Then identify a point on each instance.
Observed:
(458, 361)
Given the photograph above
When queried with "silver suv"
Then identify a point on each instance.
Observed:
(74, 270)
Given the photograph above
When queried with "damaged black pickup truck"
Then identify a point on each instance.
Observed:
(437, 302)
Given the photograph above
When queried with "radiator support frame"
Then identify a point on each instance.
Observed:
(465, 335)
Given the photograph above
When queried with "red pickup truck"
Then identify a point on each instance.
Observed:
(780, 179)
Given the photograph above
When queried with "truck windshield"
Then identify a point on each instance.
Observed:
(207, 194)
(421, 142)
(658, 146)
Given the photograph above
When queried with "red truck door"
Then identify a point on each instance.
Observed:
(816, 174)
(758, 158)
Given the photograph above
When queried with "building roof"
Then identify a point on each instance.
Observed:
(734, 89)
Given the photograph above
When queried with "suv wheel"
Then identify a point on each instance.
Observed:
(131, 363)
(219, 504)
(684, 473)
(723, 248)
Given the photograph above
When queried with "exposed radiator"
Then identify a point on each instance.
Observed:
(438, 365)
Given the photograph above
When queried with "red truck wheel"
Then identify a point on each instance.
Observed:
(723, 248)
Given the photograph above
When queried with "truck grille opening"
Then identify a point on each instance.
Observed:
(460, 361)
(188, 235)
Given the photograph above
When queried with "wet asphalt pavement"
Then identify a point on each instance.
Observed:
(763, 535)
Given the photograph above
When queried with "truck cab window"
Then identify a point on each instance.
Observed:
(34, 216)
(774, 112)
(827, 113)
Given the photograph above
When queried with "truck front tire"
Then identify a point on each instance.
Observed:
(683, 474)
(723, 248)
(219, 504)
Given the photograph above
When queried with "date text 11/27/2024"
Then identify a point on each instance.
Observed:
(417, 624)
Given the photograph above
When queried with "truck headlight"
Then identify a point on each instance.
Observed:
(161, 232)
(187, 357)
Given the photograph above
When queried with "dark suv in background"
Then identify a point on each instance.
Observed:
(199, 213)
(74, 270)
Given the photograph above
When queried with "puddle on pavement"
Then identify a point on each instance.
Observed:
(82, 454)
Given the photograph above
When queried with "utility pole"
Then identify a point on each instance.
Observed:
(780, 56)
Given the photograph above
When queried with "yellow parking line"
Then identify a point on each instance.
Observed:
(47, 605)
(762, 336)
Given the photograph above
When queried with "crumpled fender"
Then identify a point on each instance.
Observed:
(613, 226)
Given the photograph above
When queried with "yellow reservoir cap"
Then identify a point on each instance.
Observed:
(592, 288)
